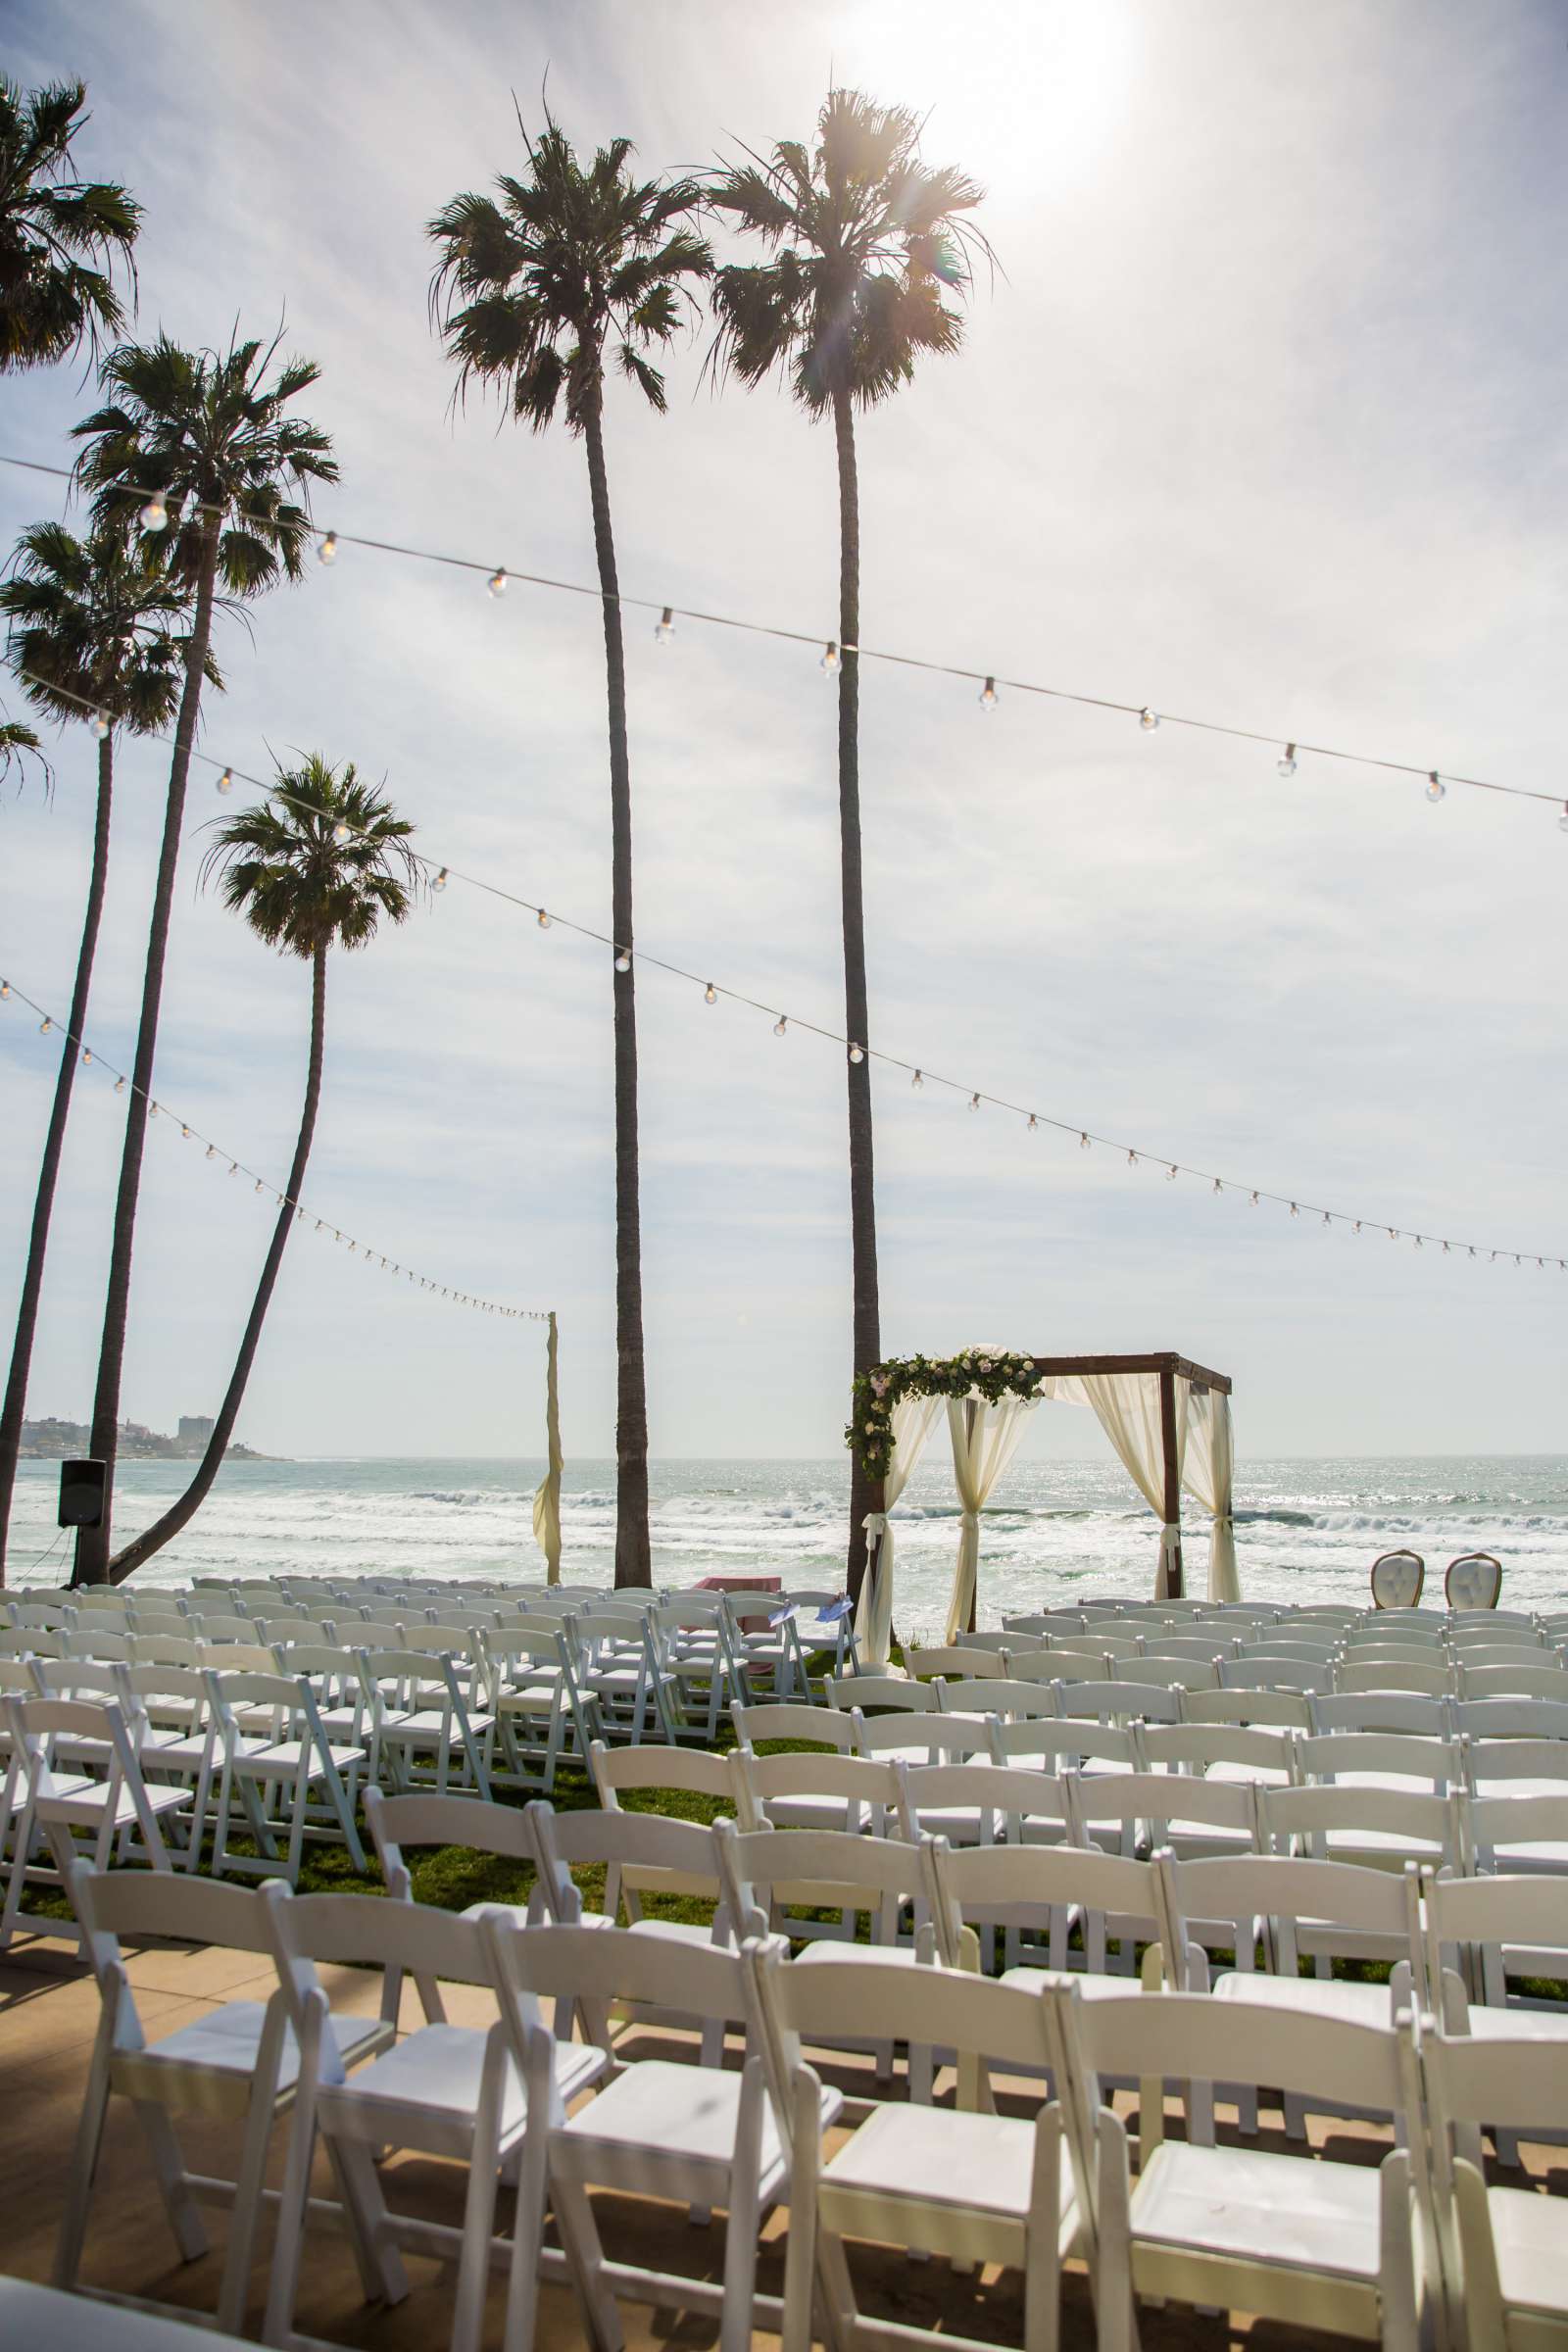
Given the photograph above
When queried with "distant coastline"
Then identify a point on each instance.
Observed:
(52, 1440)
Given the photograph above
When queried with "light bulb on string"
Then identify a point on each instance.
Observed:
(830, 656)
(101, 723)
(664, 626)
(781, 1026)
(341, 832)
(1083, 1141)
(120, 1086)
(1253, 1203)
(327, 552)
(988, 695)
(233, 1167)
(440, 881)
(544, 920)
(86, 1056)
(1562, 821)
(974, 1101)
(709, 994)
(1436, 790)
(44, 1026)
(225, 783)
(260, 1187)
(1287, 761)
(1147, 720)
(1218, 1187)
(1357, 1227)
(1295, 1212)
(1328, 1220)
(154, 515)
(623, 961)
(1132, 1160)
(1033, 1123)
(184, 1134)
(917, 1081)
(1171, 1173)
(496, 582)
(856, 1052)
(211, 1152)
(5, 989)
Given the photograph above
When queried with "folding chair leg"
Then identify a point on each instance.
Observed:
(85, 2157)
(579, 2235)
(235, 2290)
(190, 2234)
(743, 2218)
(800, 2248)
(480, 2205)
(527, 2232)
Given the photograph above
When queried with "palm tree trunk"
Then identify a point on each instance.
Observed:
(94, 1544)
(866, 1317)
(211, 1461)
(16, 1397)
(633, 1556)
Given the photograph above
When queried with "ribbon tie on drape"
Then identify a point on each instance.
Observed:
(875, 1524)
(1170, 1544)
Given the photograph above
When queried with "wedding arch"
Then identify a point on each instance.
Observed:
(1168, 1419)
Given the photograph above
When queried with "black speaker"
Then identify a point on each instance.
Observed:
(81, 1493)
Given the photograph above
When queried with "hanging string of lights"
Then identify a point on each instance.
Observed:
(155, 515)
(48, 1023)
(919, 1074)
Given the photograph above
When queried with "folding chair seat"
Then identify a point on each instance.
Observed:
(118, 1813)
(238, 2061)
(445, 2089)
(821, 1792)
(1502, 2246)
(416, 1714)
(288, 1760)
(960, 2182)
(1201, 2223)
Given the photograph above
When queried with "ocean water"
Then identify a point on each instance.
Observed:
(1305, 1530)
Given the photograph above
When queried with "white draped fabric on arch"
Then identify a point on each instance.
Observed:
(1168, 1420)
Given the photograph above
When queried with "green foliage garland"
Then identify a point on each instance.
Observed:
(989, 1372)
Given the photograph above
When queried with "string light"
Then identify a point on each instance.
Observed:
(184, 1135)
(709, 994)
(664, 626)
(1436, 790)
(1218, 1187)
(262, 1183)
(154, 515)
(1562, 821)
(622, 961)
(44, 1026)
(101, 723)
(1253, 1204)
(87, 1055)
(496, 582)
(340, 832)
(328, 551)
(1171, 1173)
(857, 1052)
(440, 881)
(1287, 761)
(225, 783)
(780, 1026)
(1083, 1140)
(988, 695)
(1295, 1212)
(830, 656)
(1147, 716)
(974, 1101)
(1033, 1123)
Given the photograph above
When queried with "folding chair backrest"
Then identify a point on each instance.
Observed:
(950, 1659)
(1275, 1674)
(1016, 1796)
(248, 1687)
(995, 1694)
(137, 1903)
(1521, 1910)
(1049, 1740)
(1058, 1665)
(1119, 1702)
(1192, 1747)
(696, 1772)
(216, 1629)
(920, 1733)
(1510, 1718)
(1311, 1813)
(165, 1649)
(1514, 1822)
(1435, 1681)
(1161, 1797)
(230, 1659)
(101, 1641)
(834, 2002)
(863, 1691)
(1546, 1680)
(792, 1718)
(820, 1869)
(471, 1822)
(648, 1851)
(1167, 1673)
(33, 1640)
(757, 1781)
(1022, 1885)
(1340, 1756)
(365, 1633)
(288, 1633)
(1488, 1760)
(1279, 1710)
(1409, 1711)
(566, 1962)
(364, 1931)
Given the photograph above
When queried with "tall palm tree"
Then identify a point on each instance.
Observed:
(866, 241)
(93, 635)
(60, 237)
(535, 286)
(315, 867)
(204, 439)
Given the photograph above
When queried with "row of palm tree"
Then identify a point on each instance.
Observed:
(200, 476)
(568, 267)
(198, 472)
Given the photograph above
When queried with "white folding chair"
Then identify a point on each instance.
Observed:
(960, 2182)
(1205, 2225)
(444, 2090)
(1249, 1753)
(279, 1764)
(1503, 2247)
(118, 1813)
(1520, 1834)
(238, 2061)
(976, 1804)
(491, 1832)
(813, 1792)
(1384, 1828)
(698, 2135)
(419, 1726)
(1036, 1895)
(1141, 1812)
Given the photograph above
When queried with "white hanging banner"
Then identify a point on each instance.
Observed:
(985, 1437)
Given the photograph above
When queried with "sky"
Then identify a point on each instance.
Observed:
(1261, 420)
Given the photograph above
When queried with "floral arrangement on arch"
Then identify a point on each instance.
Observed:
(989, 1372)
